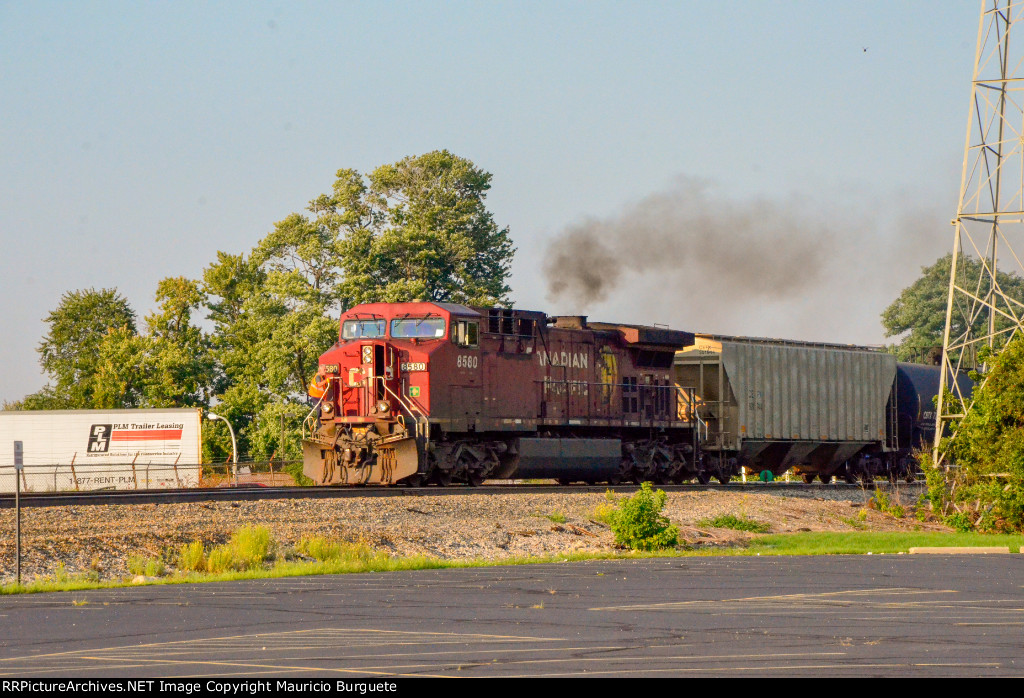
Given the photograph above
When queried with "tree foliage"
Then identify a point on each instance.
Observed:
(918, 315)
(414, 229)
(986, 489)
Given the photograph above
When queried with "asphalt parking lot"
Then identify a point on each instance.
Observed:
(752, 616)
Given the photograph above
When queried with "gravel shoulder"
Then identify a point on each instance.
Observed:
(469, 526)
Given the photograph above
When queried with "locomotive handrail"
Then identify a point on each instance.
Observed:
(306, 422)
(414, 411)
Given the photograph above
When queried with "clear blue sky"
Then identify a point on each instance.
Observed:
(137, 139)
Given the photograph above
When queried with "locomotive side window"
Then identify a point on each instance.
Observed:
(423, 328)
(356, 329)
(466, 334)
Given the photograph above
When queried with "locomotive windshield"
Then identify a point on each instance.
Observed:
(424, 327)
(356, 329)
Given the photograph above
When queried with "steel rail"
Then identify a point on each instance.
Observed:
(237, 494)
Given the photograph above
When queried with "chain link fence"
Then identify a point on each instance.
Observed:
(72, 477)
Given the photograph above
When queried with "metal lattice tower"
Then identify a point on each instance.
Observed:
(990, 215)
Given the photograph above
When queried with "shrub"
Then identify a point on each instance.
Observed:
(960, 521)
(638, 524)
(192, 557)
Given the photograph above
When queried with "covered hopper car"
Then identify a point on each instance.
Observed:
(824, 410)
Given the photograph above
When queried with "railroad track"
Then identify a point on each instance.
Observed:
(236, 494)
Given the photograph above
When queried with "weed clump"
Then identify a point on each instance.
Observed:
(249, 547)
(192, 557)
(639, 524)
(140, 565)
(737, 523)
(885, 504)
(319, 548)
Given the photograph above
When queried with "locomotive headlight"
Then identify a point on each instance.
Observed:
(367, 354)
(383, 406)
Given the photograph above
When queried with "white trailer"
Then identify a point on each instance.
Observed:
(78, 450)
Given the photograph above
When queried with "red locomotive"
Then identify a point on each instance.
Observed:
(438, 392)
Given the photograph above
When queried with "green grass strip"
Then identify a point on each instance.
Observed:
(848, 543)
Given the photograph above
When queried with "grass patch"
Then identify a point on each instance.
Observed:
(341, 557)
(737, 523)
(863, 542)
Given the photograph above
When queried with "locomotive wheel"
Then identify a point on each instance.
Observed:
(475, 478)
(443, 477)
(808, 478)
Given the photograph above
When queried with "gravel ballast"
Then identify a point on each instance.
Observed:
(468, 526)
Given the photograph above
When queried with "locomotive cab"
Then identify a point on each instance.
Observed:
(372, 415)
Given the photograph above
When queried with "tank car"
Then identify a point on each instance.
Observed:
(437, 392)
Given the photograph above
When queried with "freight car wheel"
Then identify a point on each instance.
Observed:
(825, 478)
(808, 478)
(703, 478)
(564, 481)
(724, 479)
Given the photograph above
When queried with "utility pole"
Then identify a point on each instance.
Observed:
(989, 223)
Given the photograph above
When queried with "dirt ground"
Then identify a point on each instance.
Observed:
(484, 526)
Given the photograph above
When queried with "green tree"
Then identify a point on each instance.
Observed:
(178, 366)
(418, 230)
(988, 448)
(85, 330)
(918, 316)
